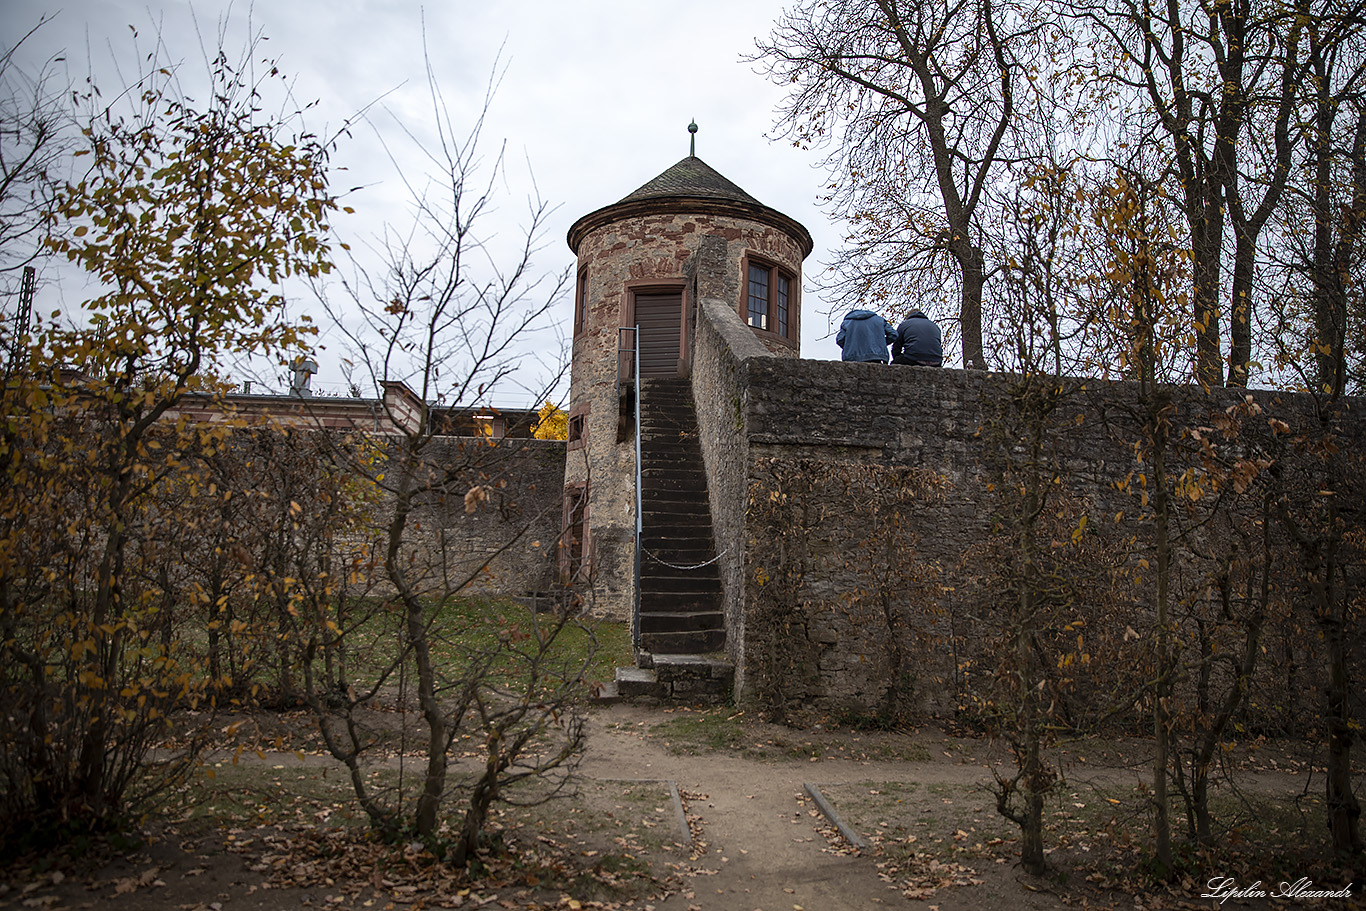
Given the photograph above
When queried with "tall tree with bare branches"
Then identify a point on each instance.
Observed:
(452, 319)
(919, 101)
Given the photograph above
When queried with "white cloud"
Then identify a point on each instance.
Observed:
(596, 95)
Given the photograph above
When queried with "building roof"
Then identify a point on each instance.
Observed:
(693, 178)
(690, 186)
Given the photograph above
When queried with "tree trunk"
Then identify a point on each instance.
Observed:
(1329, 307)
(1248, 227)
(1031, 833)
(1205, 213)
(481, 798)
(1162, 688)
(1240, 309)
(973, 263)
(1344, 811)
(434, 780)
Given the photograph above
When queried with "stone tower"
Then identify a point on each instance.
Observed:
(646, 261)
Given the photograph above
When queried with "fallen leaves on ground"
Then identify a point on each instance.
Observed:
(536, 875)
(921, 875)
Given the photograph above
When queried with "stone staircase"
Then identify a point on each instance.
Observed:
(680, 599)
(681, 618)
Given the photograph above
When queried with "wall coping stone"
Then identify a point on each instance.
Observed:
(737, 336)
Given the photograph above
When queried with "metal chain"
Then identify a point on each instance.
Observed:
(655, 558)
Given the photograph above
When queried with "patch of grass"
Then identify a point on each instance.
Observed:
(701, 732)
(467, 631)
(463, 632)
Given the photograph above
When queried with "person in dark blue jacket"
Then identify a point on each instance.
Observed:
(864, 336)
(918, 342)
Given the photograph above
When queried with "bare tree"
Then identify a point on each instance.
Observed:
(446, 316)
(1215, 86)
(33, 114)
(1146, 271)
(924, 96)
(1174, 57)
(1337, 84)
(1262, 160)
(1045, 557)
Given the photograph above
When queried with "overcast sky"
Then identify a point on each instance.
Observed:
(596, 97)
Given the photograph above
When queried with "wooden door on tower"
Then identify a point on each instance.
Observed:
(660, 318)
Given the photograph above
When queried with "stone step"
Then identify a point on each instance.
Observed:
(682, 469)
(674, 521)
(672, 561)
(663, 517)
(675, 430)
(671, 488)
(669, 477)
(656, 455)
(678, 553)
(687, 679)
(679, 602)
(670, 454)
(678, 495)
(654, 390)
(679, 413)
(659, 560)
(686, 520)
(635, 682)
(685, 550)
(678, 470)
(680, 621)
(665, 589)
(683, 643)
(680, 432)
(680, 490)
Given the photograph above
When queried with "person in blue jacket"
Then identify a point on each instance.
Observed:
(918, 342)
(864, 336)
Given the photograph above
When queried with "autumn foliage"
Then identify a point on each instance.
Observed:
(187, 214)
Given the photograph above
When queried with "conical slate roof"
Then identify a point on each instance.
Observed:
(690, 187)
(691, 177)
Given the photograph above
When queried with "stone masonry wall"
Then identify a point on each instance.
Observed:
(516, 524)
(485, 517)
(723, 343)
(872, 496)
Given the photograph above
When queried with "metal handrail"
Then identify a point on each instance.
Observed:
(632, 349)
(635, 359)
(640, 523)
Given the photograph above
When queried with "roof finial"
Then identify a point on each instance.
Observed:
(692, 140)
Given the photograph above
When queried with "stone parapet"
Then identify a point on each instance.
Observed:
(859, 506)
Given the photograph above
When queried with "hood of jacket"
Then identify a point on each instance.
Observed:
(860, 314)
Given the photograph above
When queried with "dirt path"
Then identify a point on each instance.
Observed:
(759, 844)
(763, 848)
